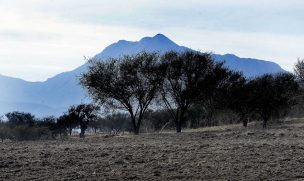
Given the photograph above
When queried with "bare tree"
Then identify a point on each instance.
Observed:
(129, 83)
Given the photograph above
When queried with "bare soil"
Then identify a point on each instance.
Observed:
(219, 153)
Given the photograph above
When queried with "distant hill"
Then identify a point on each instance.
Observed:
(56, 94)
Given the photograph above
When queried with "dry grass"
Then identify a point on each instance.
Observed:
(217, 153)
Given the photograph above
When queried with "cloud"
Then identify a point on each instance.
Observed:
(33, 42)
(56, 34)
(282, 49)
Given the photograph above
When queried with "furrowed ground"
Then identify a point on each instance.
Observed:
(218, 153)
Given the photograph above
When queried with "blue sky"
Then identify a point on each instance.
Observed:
(40, 38)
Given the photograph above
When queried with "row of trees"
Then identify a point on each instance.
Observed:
(175, 90)
(179, 81)
(25, 126)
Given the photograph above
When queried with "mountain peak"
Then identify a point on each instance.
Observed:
(230, 55)
(41, 98)
(122, 41)
(158, 38)
(158, 43)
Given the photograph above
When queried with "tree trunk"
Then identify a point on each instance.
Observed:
(70, 131)
(83, 127)
(180, 122)
(264, 123)
(81, 135)
(265, 120)
(136, 130)
(178, 127)
(136, 125)
(245, 122)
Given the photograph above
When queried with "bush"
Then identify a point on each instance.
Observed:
(116, 122)
(158, 120)
(22, 133)
(4, 132)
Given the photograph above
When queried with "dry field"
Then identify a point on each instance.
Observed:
(219, 153)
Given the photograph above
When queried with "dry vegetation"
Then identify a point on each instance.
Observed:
(219, 153)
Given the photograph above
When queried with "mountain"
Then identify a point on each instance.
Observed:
(158, 43)
(55, 95)
(250, 67)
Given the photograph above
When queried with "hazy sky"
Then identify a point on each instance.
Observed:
(40, 38)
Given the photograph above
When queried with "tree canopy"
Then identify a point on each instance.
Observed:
(193, 77)
(272, 93)
(129, 83)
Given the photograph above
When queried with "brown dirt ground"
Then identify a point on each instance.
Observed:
(219, 153)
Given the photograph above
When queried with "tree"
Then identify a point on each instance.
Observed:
(50, 123)
(117, 122)
(62, 124)
(239, 100)
(20, 118)
(95, 124)
(4, 130)
(159, 119)
(24, 126)
(191, 77)
(215, 92)
(299, 70)
(129, 83)
(271, 93)
(299, 73)
(83, 114)
(67, 121)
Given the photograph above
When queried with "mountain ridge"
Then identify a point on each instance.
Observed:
(63, 90)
